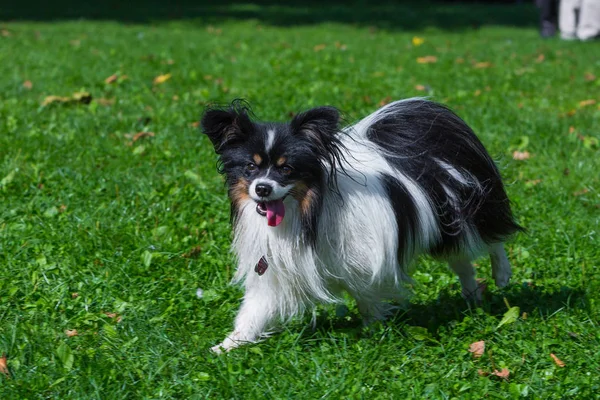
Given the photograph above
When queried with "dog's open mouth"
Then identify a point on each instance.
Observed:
(273, 210)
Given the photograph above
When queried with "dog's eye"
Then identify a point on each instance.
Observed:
(251, 167)
(286, 170)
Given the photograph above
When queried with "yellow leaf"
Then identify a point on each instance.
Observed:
(417, 41)
(427, 60)
(319, 47)
(27, 85)
(420, 88)
(162, 79)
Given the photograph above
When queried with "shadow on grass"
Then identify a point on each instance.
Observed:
(406, 16)
(450, 308)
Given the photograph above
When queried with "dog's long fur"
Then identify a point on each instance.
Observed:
(360, 205)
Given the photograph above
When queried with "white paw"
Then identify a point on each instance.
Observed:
(218, 349)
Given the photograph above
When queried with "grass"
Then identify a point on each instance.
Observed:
(93, 222)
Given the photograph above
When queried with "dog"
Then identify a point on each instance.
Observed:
(318, 210)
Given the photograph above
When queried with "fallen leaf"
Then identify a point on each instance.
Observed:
(484, 64)
(5, 32)
(4, 366)
(71, 332)
(533, 182)
(540, 58)
(557, 360)
(420, 88)
(74, 295)
(417, 41)
(319, 47)
(521, 155)
(589, 77)
(587, 102)
(111, 79)
(581, 192)
(571, 129)
(477, 348)
(161, 79)
(481, 372)
(509, 317)
(195, 124)
(140, 135)
(27, 85)
(477, 93)
(460, 60)
(114, 316)
(427, 60)
(503, 373)
(55, 99)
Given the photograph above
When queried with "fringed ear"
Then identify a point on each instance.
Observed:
(225, 126)
(319, 125)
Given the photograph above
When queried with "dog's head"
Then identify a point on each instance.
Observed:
(267, 162)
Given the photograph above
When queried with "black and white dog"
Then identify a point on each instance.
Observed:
(318, 210)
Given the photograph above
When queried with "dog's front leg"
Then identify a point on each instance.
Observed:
(256, 315)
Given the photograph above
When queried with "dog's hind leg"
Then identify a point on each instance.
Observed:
(501, 270)
(466, 274)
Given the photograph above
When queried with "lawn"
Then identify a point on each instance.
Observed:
(112, 213)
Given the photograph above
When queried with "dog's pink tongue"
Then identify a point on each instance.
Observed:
(275, 212)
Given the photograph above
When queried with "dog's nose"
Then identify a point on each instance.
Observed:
(263, 190)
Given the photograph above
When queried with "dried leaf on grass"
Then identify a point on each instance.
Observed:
(319, 47)
(427, 60)
(581, 192)
(140, 135)
(4, 366)
(521, 155)
(557, 360)
(588, 102)
(116, 317)
(77, 97)
(477, 348)
(484, 64)
(503, 373)
(71, 332)
(28, 85)
(161, 79)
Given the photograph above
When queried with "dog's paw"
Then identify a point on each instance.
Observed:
(218, 349)
(502, 277)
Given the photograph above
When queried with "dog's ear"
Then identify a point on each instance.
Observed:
(225, 126)
(319, 125)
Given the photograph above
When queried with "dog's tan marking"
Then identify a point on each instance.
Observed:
(257, 158)
(281, 161)
(238, 192)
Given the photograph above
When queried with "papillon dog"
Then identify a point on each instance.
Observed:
(318, 210)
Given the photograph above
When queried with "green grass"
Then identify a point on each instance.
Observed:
(84, 210)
